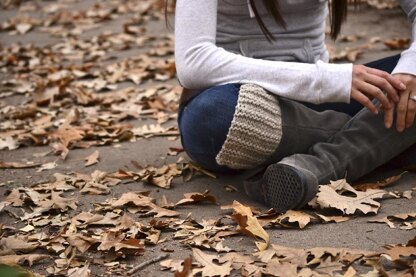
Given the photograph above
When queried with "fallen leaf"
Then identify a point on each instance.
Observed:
(18, 165)
(380, 184)
(47, 166)
(336, 219)
(276, 268)
(17, 244)
(209, 268)
(79, 272)
(187, 268)
(92, 159)
(196, 197)
(249, 225)
(21, 259)
(328, 197)
(397, 43)
(299, 217)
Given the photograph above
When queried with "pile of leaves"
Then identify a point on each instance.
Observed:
(72, 89)
(69, 240)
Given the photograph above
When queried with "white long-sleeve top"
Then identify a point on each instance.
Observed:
(219, 42)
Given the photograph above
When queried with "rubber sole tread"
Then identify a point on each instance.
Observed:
(284, 187)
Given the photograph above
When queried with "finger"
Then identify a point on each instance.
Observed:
(364, 100)
(384, 85)
(388, 117)
(374, 92)
(410, 115)
(402, 111)
(394, 81)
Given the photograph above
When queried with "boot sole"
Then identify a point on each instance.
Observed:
(284, 187)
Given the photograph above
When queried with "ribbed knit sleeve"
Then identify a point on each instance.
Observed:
(201, 63)
(407, 62)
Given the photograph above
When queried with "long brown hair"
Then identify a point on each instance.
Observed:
(338, 14)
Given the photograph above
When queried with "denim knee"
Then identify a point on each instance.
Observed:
(204, 122)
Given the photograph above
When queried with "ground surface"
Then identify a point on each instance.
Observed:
(366, 23)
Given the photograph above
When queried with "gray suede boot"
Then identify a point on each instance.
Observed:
(359, 147)
(283, 187)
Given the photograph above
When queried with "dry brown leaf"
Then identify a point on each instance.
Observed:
(336, 219)
(95, 188)
(23, 28)
(172, 265)
(238, 260)
(187, 268)
(47, 166)
(249, 225)
(141, 203)
(21, 259)
(79, 272)
(364, 202)
(403, 221)
(328, 267)
(209, 268)
(299, 217)
(276, 268)
(380, 184)
(397, 43)
(18, 165)
(15, 198)
(81, 242)
(161, 177)
(295, 256)
(398, 252)
(196, 197)
(92, 159)
(117, 241)
(17, 244)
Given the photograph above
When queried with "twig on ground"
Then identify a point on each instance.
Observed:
(146, 263)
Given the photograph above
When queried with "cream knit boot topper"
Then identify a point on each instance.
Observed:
(255, 132)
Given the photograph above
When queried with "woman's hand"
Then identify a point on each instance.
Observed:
(406, 108)
(369, 83)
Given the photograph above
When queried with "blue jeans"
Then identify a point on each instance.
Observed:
(205, 119)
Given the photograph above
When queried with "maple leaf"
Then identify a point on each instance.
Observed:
(196, 197)
(117, 241)
(401, 218)
(292, 255)
(161, 177)
(327, 197)
(143, 203)
(380, 184)
(276, 268)
(302, 218)
(250, 225)
(209, 268)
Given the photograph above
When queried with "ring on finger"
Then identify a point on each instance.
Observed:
(413, 98)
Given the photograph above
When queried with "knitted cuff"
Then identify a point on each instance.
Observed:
(255, 131)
